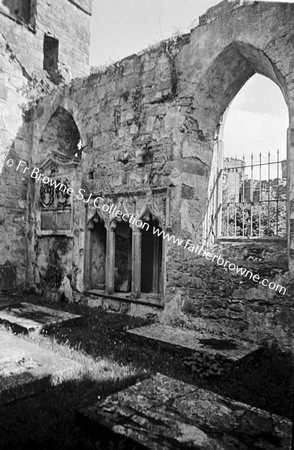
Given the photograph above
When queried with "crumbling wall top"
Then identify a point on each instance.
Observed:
(224, 7)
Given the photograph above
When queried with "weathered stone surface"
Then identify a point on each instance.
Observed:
(65, 290)
(72, 30)
(162, 413)
(28, 318)
(231, 349)
(22, 81)
(148, 126)
(141, 134)
(26, 367)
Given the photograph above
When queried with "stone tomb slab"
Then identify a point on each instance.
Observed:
(162, 413)
(26, 367)
(27, 318)
(204, 342)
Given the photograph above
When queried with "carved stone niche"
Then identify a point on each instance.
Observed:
(54, 197)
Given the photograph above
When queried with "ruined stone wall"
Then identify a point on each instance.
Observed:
(13, 190)
(217, 298)
(65, 20)
(148, 126)
(22, 82)
(126, 125)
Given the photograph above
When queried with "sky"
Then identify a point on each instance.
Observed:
(257, 119)
(123, 27)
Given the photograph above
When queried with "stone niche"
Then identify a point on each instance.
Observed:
(124, 256)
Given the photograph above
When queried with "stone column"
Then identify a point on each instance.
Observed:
(88, 226)
(136, 263)
(87, 260)
(110, 259)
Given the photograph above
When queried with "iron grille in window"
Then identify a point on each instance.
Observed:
(253, 198)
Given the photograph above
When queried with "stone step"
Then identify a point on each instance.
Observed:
(28, 318)
(199, 341)
(27, 368)
(162, 413)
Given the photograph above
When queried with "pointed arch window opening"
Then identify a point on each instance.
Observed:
(123, 257)
(247, 195)
(151, 257)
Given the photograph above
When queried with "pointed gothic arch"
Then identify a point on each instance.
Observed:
(234, 66)
(60, 137)
(95, 253)
(123, 256)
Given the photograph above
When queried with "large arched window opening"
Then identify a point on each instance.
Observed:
(254, 162)
(233, 70)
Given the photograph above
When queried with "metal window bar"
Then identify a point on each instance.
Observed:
(235, 196)
(243, 197)
(268, 189)
(251, 197)
(277, 190)
(214, 208)
(257, 206)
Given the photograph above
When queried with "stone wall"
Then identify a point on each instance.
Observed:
(217, 298)
(64, 20)
(148, 126)
(14, 136)
(22, 82)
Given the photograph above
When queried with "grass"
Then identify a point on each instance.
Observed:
(47, 419)
(91, 368)
(113, 360)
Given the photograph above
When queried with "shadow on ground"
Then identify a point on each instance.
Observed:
(47, 420)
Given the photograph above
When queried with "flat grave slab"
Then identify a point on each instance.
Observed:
(198, 341)
(162, 413)
(26, 367)
(27, 318)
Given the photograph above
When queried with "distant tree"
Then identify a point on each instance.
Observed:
(267, 214)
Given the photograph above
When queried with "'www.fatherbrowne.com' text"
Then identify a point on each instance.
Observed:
(112, 209)
(198, 250)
